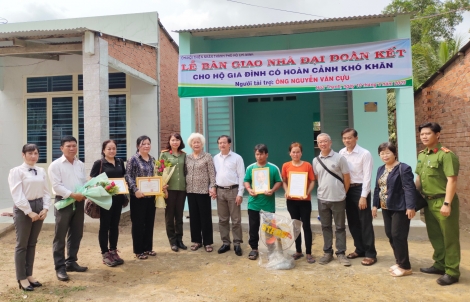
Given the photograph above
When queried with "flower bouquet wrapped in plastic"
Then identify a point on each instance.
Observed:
(165, 170)
(98, 189)
(278, 233)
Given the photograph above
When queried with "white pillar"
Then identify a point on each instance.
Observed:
(95, 98)
(406, 133)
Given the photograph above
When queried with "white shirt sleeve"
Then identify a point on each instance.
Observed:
(367, 170)
(46, 199)
(241, 175)
(16, 188)
(56, 181)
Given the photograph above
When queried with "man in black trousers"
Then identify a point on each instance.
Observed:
(358, 198)
(66, 174)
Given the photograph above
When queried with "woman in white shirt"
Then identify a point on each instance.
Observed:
(30, 192)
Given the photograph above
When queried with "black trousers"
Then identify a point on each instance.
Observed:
(68, 224)
(174, 215)
(143, 221)
(301, 210)
(254, 223)
(200, 220)
(109, 224)
(397, 228)
(360, 223)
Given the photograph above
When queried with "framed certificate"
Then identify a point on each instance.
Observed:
(122, 184)
(150, 185)
(297, 184)
(260, 180)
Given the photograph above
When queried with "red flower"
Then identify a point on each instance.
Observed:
(112, 184)
(171, 151)
(162, 161)
(435, 150)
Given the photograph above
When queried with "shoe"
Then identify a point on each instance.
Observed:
(432, 270)
(108, 260)
(327, 257)
(343, 260)
(116, 257)
(62, 275)
(35, 284)
(447, 280)
(28, 288)
(181, 245)
(238, 250)
(174, 248)
(224, 248)
(74, 267)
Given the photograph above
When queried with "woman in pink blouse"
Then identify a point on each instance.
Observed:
(200, 187)
(30, 192)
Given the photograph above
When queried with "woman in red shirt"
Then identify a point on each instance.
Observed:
(300, 208)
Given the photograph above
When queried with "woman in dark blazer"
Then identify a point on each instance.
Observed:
(395, 194)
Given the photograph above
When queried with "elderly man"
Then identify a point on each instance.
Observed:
(358, 198)
(66, 174)
(332, 173)
(230, 171)
(437, 171)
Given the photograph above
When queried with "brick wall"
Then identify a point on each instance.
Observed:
(446, 101)
(142, 58)
(169, 100)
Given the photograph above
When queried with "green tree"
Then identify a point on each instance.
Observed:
(432, 21)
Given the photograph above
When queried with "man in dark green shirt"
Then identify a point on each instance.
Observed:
(437, 171)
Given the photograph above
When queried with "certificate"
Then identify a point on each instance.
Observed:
(297, 184)
(150, 185)
(121, 184)
(260, 178)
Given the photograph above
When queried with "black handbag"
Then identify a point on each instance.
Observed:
(91, 208)
(419, 199)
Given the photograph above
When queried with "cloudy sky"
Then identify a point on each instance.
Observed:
(187, 14)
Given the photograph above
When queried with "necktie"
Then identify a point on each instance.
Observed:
(32, 169)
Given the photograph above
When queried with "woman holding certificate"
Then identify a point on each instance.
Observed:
(30, 192)
(200, 187)
(298, 181)
(174, 154)
(109, 219)
(142, 204)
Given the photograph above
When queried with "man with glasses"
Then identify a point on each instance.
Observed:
(332, 174)
(230, 171)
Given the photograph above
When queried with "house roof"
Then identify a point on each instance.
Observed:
(291, 27)
(443, 68)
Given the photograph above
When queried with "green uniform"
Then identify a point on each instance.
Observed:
(261, 201)
(177, 180)
(433, 168)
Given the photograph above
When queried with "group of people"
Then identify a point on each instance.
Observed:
(344, 191)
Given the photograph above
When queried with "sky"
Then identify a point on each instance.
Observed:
(190, 14)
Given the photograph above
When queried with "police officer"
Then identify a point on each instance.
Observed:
(437, 170)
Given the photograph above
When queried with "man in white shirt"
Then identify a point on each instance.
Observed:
(230, 171)
(66, 174)
(358, 198)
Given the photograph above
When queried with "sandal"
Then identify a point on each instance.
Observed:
(393, 267)
(399, 272)
(368, 261)
(151, 253)
(353, 255)
(195, 246)
(310, 259)
(253, 255)
(209, 248)
(297, 256)
(141, 256)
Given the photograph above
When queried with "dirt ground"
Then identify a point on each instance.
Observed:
(201, 276)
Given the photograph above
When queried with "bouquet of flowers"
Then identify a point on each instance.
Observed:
(164, 169)
(98, 189)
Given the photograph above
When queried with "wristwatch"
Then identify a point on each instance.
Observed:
(446, 203)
